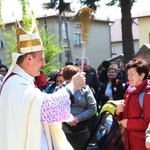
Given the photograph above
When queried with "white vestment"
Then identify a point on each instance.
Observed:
(20, 116)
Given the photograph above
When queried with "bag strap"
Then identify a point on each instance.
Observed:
(6, 80)
(71, 95)
(141, 98)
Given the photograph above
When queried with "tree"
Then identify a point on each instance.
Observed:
(61, 6)
(126, 22)
(50, 42)
(51, 49)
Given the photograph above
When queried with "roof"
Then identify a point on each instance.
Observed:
(51, 13)
(116, 31)
(141, 14)
(144, 52)
(116, 59)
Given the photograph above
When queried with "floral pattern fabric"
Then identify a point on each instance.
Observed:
(55, 108)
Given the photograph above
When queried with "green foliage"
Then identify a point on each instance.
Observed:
(10, 45)
(57, 4)
(2, 25)
(90, 3)
(51, 49)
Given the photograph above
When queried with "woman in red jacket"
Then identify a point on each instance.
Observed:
(132, 116)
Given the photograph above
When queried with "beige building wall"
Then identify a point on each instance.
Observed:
(98, 47)
(144, 30)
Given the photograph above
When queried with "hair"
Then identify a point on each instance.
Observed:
(140, 65)
(85, 60)
(106, 64)
(3, 66)
(22, 57)
(60, 73)
(52, 74)
(113, 67)
(69, 71)
(69, 63)
(100, 67)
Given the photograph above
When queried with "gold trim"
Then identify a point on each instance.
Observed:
(27, 124)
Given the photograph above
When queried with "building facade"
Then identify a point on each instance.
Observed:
(98, 47)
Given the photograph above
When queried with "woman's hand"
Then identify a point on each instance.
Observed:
(147, 142)
(124, 122)
(73, 122)
(120, 108)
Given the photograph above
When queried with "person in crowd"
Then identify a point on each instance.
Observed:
(3, 71)
(1, 80)
(122, 73)
(69, 63)
(40, 81)
(30, 119)
(91, 77)
(51, 77)
(103, 75)
(83, 107)
(133, 117)
(59, 79)
(99, 71)
(92, 81)
(112, 89)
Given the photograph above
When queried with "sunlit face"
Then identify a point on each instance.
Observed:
(133, 77)
(37, 62)
(111, 74)
(59, 80)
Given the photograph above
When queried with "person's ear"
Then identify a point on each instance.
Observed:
(29, 58)
(143, 75)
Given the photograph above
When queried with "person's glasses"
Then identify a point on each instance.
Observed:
(3, 70)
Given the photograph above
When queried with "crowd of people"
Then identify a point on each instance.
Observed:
(59, 112)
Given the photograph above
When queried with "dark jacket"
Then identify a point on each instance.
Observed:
(117, 91)
(92, 81)
(138, 118)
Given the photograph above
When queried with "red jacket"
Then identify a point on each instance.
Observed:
(40, 81)
(138, 118)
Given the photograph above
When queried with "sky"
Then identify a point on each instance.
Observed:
(13, 10)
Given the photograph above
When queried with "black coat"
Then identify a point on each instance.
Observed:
(117, 91)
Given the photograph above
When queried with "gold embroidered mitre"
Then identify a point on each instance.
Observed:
(28, 41)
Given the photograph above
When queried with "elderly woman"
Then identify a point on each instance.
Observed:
(59, 79)
(133, 117)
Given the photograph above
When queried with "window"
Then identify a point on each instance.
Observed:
(64, 33)
(77, 25)
(77, 38)
(1, 44)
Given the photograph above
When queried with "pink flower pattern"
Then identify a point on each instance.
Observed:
(55, 107)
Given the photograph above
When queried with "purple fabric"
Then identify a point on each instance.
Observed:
(55, 107)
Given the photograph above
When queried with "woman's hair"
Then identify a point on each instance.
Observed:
(3, 66)
(140, 65)
(69, 71)
(60, 73)
(112, 67)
